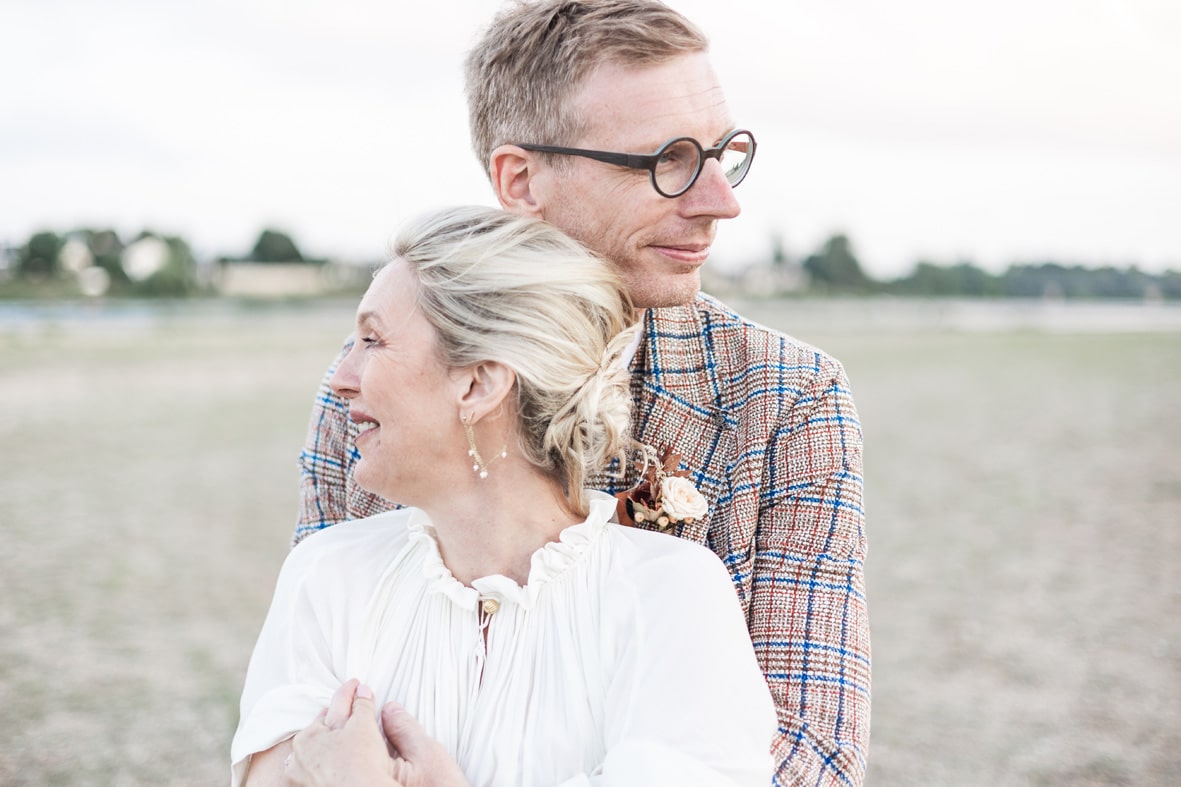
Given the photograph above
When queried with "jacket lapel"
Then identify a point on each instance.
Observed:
(680, 405)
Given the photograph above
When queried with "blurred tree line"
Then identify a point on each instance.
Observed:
(835, 270)
(99, 262)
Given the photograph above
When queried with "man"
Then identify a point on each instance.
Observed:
(766, 426)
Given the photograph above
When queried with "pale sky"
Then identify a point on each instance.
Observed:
(1007, 131)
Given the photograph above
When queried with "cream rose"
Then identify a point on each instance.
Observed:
(681, 500)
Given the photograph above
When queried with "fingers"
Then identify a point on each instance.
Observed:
(341, 706)
(294, 772)
(363, 708)
(402, 771)
(403, 731)
(418, 752)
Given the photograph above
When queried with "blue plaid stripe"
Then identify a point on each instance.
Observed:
(782, 467)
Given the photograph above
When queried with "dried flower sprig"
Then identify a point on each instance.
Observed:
(664, 497)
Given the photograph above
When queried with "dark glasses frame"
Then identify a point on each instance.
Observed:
(649, 161)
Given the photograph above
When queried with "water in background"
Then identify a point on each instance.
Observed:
(22, 317)
(855, 315)
(964, 315)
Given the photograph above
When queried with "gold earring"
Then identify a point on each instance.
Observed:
(480, 467)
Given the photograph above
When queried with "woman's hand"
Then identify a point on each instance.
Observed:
(421, 760)
(343, 746)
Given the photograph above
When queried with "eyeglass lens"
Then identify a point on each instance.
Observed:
(681, 161)
(736, 158)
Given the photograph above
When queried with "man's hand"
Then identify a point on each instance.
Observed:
(343, 746)
(421, 760)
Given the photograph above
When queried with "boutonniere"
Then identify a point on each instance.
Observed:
(664, 497)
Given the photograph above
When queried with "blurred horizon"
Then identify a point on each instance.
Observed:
(1003, 134)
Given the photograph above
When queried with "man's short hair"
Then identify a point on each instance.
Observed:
(535, 56)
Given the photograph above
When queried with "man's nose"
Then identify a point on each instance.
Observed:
(711, 195)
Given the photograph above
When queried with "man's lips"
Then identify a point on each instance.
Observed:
(692, 254)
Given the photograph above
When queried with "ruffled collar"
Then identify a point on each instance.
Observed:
(550, 561)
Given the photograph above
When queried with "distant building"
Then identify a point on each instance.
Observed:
(775, 279)
(289, 279)
(8, 261)
(759, 279)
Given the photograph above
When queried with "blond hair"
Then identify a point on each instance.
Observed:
(523, 71)
(499, 287)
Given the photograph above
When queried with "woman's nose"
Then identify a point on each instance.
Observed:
(345, 381)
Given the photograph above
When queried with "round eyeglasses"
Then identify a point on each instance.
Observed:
(676, 165)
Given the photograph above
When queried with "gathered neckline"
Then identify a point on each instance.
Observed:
(550, 561)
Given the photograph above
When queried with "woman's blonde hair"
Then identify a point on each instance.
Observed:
(499, 287)
(522, 72)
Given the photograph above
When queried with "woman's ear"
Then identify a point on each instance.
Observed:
(512, 170)
(484, 388)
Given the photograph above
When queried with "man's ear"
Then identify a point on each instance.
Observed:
(484, 387)
(512, 170)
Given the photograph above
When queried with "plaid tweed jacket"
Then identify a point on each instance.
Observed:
(767, 428)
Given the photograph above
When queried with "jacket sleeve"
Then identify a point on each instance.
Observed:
(807, 616)
(324, 462)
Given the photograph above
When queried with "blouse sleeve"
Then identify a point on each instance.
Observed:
(687, 703)
(291, 676)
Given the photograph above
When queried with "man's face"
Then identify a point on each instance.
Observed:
(657, 244)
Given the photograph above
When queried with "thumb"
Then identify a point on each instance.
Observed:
(404, 732)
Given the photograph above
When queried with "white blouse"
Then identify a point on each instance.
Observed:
(625, 659)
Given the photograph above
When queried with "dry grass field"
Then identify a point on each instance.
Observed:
(1024, 499)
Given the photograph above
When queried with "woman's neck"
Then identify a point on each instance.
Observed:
(496, 524)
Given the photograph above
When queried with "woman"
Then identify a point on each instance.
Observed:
(525, 638)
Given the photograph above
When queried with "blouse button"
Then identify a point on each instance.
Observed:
(490, 606)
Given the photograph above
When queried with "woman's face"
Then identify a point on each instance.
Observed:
(401, 396)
